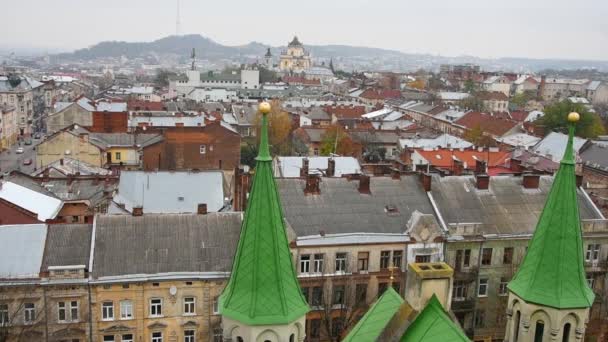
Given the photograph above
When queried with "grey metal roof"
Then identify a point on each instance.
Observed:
(67, 244)
(290, 166)
(70, 167)
(21, 250)
(153, 244)
(170, 192)
(507, 208)
(106, 140)
(340, 208)
(554, 145)
(376, 137)
(596, 156)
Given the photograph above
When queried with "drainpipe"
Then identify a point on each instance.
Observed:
(90, 314)
(477, 283)
(46, 315)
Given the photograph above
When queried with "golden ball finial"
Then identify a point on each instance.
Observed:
(264, 107)
(574, 117)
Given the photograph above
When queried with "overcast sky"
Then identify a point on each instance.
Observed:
(484, 28)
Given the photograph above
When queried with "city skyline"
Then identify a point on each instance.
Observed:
(516, 29)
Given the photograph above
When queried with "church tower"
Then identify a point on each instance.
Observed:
(263, 301)
(549, 298)
(268, 59)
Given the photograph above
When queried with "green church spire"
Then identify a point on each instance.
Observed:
(552, 272)
(263, 288)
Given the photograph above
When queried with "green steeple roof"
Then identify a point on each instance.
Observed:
(433, 324)
(263, 288)
(552, 272)
(376, 318)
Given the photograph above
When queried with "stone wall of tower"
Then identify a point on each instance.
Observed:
(522, 319)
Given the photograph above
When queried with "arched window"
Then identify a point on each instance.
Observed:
(239, 339)
(566, 333)
(516, 327)
(292, 338)
(539, 331)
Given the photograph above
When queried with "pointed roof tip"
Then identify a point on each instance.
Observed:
(263, 149)
(553, 271)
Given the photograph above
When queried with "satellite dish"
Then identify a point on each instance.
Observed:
(173, 290)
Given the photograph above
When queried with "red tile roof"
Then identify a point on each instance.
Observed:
(383, 94)
(301, 80)
(443, 158)
(346, 112)
(489, 123)
(519, 115)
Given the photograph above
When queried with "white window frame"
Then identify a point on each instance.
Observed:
(155, 305)
(202, 149)
(305, 263)
(459, 291)
(158, 338)
(502, 288)
(189, 306)
(61, 306)
(107, 311)
(318, 263)
(123, 338)
(72, 308)
(4, 316)
(593, 252)
(340, 264)
(126, 309)
(29, 313)
(191, 338)
(483, 283)
(216, 306)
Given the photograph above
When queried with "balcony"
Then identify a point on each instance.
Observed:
(598, 266)
(467, 304)
(467, 274)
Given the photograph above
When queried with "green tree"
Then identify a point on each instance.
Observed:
(473, 103)
(279, 128)
(248, 154)
(162, 77)
(520, 100)
(469, 86)
(555, 119)
(336, 141)
(477, 137)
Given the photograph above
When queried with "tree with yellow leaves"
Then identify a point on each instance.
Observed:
(279, 128)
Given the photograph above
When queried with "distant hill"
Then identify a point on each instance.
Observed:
(207, 48)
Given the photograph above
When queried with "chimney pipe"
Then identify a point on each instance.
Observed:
(516, 165)
(201, 209)
(531, 181)
(312, 185)
(426, 181)
(482, 181)
(304, 169)
(138, 211)
(458, 168)
(331, 167)
(480, 166)
(396, 174)
(61, 161)
(364, 181)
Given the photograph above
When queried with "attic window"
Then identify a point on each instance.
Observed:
(391, 210)
(181, 199)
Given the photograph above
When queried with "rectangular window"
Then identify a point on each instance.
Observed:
(318, 263)
(108, 338)
(189, 306)
(482, 291)
(218, 335)
(117, 156)
(467, 258)
(157, 337)
(459, 291)
(126, 338)
(61, 313)
(502, 287)
(340, 262)
(216, 306)
(189, 336)
(29, 312)
(486, 256)
(317, 296)
(74, 311)
(507, 256)
(107, 311)
(126, 309)
(337, 326)
(385, 257)
(361, 293)
(338, 293)
(397, 256)
(316, 151)
(423, 258)
(306, 293)
(156, 307)
(363, 261)
(593, 252)
(590, 280)
(4, 319)
(203, 149)
(315, 328)
(305, 263)
(381, 288)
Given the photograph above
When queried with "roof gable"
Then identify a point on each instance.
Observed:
(371, 325)
(433, 324)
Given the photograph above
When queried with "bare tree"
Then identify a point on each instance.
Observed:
(22, 311)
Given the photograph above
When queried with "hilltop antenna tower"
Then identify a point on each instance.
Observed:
(193, 57)
(177, 21)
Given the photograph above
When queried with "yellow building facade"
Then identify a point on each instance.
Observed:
(296, 58)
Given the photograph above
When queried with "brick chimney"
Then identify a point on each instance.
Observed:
(480, 166)
(61, 161)
(426, 179)
(531, 181)
(70, 179)
(312, 185)
(242, 184)
(458, 168)
(138, 211)
(364, 184)
(304, 169)
(201, 209)
(516, 166)
(395, 174)
(331, 167)
(482, 181)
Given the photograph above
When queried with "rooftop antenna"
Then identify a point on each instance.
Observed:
(177, 21)
(193, 56)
